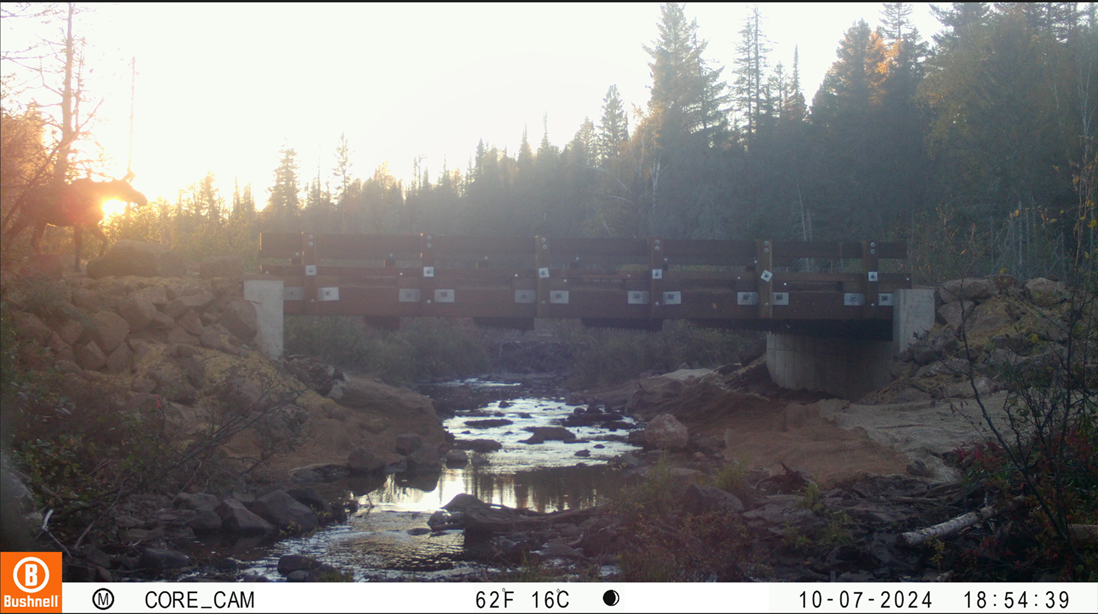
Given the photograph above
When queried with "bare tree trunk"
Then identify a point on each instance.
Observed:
(955, 525)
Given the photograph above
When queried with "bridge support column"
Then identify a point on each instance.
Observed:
(849, 368)
(266, 295)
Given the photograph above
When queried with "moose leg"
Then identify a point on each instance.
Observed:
(36, 238)
(97, 231)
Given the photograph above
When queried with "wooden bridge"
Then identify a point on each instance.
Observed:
(635, 283)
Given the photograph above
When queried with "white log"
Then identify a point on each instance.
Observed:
(955, 525)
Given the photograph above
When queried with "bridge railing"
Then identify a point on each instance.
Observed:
(615, 282)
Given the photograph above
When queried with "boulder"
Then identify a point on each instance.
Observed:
(221, 266)
(196, 501)
(160, 559)
(139, 259)
(198, 301)
(362, 460)
(407, 443)
(86, 298)
(978, 289)
(666, 432)
(191, 323)
(963, 390)
(708, 499)
(138, 311)
(281, 510)
(311, 499)
(952, 313)
(153, 294)
(119, 360)
(239, 316)
(205, 521)
(69, 331)
(30, 327)
(424, 459)
(539, 434)
(90, 357)
(1045, 292)
(456, 458)
(109, 330)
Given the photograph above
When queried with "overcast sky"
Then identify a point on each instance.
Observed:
(224, 87)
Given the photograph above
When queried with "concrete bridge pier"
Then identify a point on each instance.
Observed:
(266, 295)
(846, 367)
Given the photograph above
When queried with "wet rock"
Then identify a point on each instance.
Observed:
(456, 458)
(311, 499)
(424, 459)
(161, 560)
(281, 510)
(666, 433)
(363, 460)
(488, 423)
(407, 443)
(539, 434)
(583, 453)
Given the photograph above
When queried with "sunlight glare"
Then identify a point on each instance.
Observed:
(112, 208)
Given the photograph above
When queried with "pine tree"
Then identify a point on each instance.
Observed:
(751, 67)
(283, 195)
(960, 21)
(613, 127)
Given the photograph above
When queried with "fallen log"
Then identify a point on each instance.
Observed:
(480, 518)
(955, 525)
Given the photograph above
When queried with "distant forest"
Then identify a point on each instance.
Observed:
(979, 151)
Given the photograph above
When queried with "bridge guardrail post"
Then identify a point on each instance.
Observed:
(870, 283)
(542, 277)
(428, 282)
(764, 273)
(658, 268)
(309, 265)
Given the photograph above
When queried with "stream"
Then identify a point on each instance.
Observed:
(387, 538)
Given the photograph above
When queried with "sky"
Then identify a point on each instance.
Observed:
(223, 87)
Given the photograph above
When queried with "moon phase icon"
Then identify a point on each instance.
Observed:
(611, 597)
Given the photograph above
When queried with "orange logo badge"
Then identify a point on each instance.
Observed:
(30, 581)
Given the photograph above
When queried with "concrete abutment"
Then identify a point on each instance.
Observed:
(849, 368)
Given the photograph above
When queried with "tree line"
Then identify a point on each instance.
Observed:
(979, 151)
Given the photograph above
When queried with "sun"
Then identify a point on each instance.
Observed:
(112, 208)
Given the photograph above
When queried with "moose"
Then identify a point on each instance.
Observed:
(78, 204)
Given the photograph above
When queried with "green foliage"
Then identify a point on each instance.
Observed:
(422, 347)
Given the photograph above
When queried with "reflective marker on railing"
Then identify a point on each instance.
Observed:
(854, 299)
(748, 298)
(638, 297)
(409, 295)
(671, 298)
(525, 297)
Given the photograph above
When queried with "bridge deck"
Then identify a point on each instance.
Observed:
(607, 282)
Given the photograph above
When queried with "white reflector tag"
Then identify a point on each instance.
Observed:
(560, 297)
(638, 297)
(409, 295)
(328, 294)
(444, 296)
(748, 298)
(525, 297)
(854, 299)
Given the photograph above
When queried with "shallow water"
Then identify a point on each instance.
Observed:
(387, 539)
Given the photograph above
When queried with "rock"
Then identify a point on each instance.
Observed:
(69, 331)
(951, 366)
(162, 560)
(311, 499)
(162, 321)
(194, 369)
(197, 501)
(290, 563)
(191, 323)
(153, 294)
(179, 335)
(952, 313)
(911, 395)
(478, 445)
(206, 520)
(442, 520)
(238, 519)
(281, 510)
(139, 259)
(1045, 292)
(108, 330)
(30, 327)
(700, 500)
(456, 458)
(119, 360)
(138, 311)
(666, 432)
(239, 316)
(424, 459)
(753, 351)
(583, 453)
(557, 551)
(90, 357)
(987, 318)
(978, 289)
(963, 390)
(195, 300)
(221, 266)
(488, 423)
(407, 443)
(362, 460)
(539, 434)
